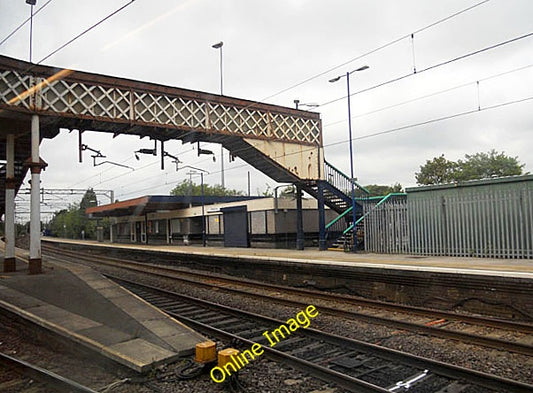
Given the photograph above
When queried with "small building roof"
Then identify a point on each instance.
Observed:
(154, 203)
(472, 183)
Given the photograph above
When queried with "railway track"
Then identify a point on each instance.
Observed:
(351, 364)
(435, 323)
(19, 375)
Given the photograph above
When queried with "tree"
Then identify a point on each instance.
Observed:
(475, 166)
(188, 187)
(486, 165)
(379, 190)
(71, 222)
(436, 171)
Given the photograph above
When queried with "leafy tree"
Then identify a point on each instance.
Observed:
(71, 222)
(269, 192)
(436, 171)
(188, 187)
(475, 166)
(380, 190)
(486, 165)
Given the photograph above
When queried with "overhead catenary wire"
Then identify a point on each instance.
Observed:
(390, 131)
(442, 20)
(432, 67)
(61, 47)
(23, 23)
(408, 75)
(379, 133)
(375, 50)
(478, 81)
(416, 31)
(479, 109)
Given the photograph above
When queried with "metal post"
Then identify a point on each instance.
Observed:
(9, 257)
(322, 245)
(111, 233)
(219, 46)
(221, 146)
(204, 242)
(35, 263)
(31, 29)
(354, 230)
(300, 236)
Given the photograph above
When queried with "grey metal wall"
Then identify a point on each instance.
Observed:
(487, 218)
(386, 227)
(495, 223)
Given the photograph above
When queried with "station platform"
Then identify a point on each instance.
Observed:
(85, 307)
(520, 268)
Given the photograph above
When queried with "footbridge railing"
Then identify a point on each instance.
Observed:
(289, 138)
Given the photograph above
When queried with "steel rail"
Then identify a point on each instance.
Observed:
(62, 384)
(395, 307)
(491, 342)
(439, 368)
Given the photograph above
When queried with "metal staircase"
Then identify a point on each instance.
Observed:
(336, 190)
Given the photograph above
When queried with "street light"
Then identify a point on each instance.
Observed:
(347, 75)
(219, 46)
(191, 173)
(31, 3)
(298, 104)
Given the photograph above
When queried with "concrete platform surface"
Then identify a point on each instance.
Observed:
(82, 305)
(522, 268)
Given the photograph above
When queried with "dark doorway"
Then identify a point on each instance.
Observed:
(236, 226)
(138, 232)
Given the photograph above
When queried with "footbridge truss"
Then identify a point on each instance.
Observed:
(283, 143)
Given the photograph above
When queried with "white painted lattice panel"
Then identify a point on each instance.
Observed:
(87, 100)
(116, 103)
(295, 129)
(169, 110)
(238, 120)
(12, 85)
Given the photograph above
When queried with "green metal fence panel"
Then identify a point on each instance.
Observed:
(487, 218)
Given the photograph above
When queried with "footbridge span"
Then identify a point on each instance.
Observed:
(36, 101)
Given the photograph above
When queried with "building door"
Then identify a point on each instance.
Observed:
(138, 231)
(236, 226)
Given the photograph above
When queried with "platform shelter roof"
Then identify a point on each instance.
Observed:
(157, 203)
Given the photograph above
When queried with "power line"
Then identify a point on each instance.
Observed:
(439, 119)
(23, 23)
(85, 31)
(508, 103)
(366, 54)
(432, 67)
(390, 131)
(379, 48)
(431, 94)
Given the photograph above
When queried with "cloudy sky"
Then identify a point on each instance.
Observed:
(281, 50)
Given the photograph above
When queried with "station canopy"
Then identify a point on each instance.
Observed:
(151, 204)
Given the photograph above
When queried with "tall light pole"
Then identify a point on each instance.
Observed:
(354, 233)
(31, 3)
(219, 46)
(201, 173)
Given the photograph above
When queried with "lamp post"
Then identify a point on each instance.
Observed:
(191, 173)
(352, 180)
(298, 104)
(219, 46)
(31, 3)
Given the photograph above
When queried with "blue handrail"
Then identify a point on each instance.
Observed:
(340, 180)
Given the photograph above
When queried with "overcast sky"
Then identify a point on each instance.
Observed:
(270, 46)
